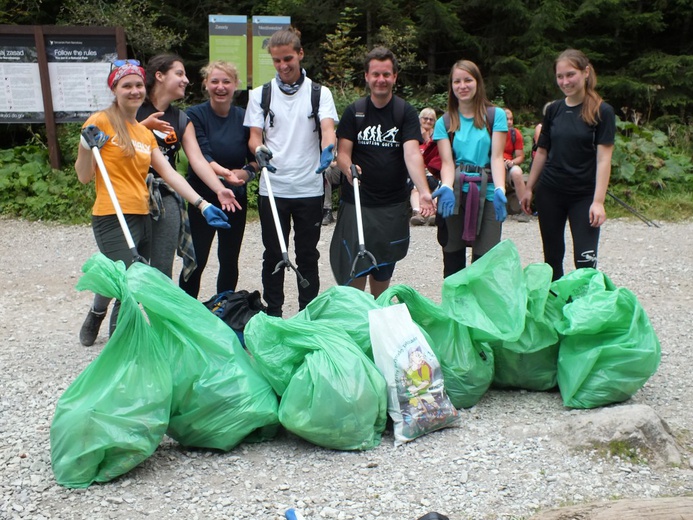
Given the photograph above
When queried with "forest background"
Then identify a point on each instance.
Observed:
(641, 50)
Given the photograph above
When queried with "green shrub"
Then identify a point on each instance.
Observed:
(31, 189)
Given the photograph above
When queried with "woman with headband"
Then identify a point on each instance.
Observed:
(128, 149)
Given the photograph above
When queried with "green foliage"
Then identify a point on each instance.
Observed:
(139, 18)
(31, 189)
(645, 158)
(343, 53)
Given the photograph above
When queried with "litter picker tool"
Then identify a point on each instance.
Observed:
(262, 158)
(89, 137)
(356, 176)
(634, 211)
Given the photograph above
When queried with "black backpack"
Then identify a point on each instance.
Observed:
(236, 308)
(266, 99)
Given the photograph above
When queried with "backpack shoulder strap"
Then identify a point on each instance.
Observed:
(360, 106)
(513, 136)
(265, 101)
(490, 118)
(315, 104)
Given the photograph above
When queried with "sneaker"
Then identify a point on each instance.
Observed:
(90, 327)
(417, 220)
(327, 217)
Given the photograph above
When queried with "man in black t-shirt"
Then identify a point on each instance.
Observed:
(381, 138)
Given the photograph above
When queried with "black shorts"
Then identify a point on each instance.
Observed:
(386, 237)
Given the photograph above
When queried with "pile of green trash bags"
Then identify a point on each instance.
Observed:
(580, 332)
(179, 370)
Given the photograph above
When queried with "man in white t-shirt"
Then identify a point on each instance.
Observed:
(299, 157)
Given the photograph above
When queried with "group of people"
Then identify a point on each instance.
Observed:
(288, 133)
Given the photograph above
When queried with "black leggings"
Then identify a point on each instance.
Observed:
(228, 248)
(555, 209)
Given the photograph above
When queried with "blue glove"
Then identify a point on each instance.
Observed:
(326, 157)
(215, 217)
(499, 202)
(263, 155)
(91, 136)
(446, 200)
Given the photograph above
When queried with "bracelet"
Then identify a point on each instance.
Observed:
(198, 202)
(252, 172)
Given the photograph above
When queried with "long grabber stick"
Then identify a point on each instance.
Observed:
(359, 224)
(88, 138)
(284, 262)
(633, 210)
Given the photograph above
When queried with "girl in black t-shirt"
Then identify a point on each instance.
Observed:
(572, 165)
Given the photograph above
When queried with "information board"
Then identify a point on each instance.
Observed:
(228, 41)
(78, 69)
(263, 28)
(20, 95)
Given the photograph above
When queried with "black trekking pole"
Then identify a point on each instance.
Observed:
(633, 210)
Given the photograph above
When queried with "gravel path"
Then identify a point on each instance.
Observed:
(485, 469)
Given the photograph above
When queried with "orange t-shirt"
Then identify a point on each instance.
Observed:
(127, 174)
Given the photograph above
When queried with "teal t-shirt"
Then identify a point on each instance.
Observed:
(472, 145)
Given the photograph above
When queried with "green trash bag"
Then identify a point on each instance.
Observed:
(346, 307)
(531, 362)
(331, 394)
(489, 296)
(219, 395)
(467, 367)
(608, 347)
(114, 415)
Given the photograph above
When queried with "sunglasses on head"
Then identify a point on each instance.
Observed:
(120, 63)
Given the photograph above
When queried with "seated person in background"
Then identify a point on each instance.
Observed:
(513, 156)
(429, 150)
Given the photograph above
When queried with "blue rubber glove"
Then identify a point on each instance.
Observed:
(326, 157)
(215, 217)
(263, 155)
(91, 136)
(499, 202)
(446, 200)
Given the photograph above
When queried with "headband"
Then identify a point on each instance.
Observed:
(124, 70)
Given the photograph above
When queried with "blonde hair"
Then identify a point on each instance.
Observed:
(427, 112)
(120, 128)
(592, 101)
(226, 67)
(480, 103)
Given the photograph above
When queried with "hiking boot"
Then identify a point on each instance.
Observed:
(90, 327)
(416, 219)
(327, 217)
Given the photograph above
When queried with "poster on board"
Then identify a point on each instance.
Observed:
(228, 41)
(20, 93)
(263, 28)
(78, 67)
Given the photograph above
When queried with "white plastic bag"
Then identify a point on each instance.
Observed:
(416, 398)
